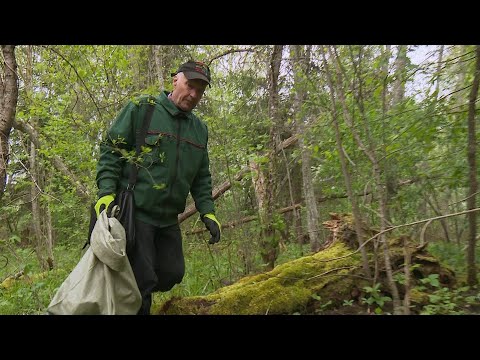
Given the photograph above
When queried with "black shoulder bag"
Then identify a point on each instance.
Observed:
(125, 199)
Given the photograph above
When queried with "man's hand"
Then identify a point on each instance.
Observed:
(104, 202)
(212, 225)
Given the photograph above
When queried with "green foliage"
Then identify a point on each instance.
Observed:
(30, 295)
(431, 280)
(452, 255)
(32, 292)
(375, 298)
(292, 251)
(444, 301)
(322, 306)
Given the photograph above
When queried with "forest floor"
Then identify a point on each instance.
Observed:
(332, 282)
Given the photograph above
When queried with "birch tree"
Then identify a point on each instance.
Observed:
(301, 57)
(264, 179)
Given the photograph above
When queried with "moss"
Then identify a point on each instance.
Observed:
(319, 281)
(286, 289)
(7, 283)
(427, 258)
(418, 297)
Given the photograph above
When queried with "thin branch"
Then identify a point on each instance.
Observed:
(230, 51)
(331, 270)
(376, 213)
(422, 233)
(468, 197)
(347, 157)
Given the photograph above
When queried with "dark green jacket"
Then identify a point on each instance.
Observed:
(176, 164)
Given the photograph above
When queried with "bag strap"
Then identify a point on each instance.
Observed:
(140, 141)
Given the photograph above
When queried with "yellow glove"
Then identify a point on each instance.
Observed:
(105, 202)
(212, 225)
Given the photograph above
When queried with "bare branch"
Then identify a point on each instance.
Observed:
(230, 51)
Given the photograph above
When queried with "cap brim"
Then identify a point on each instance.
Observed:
(190, 75)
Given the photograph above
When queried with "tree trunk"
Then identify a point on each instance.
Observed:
(309, 195)
(40, 218)
(8, 107)
(438, 212)
(36, 216)
(49, 234)
(385, 104)
(399, 83)
(460, 71)
(439, 69)
(313, 218)
(301, 70)
(398, 93)
(269, 240)
(297, 220)
(346, 174)
(472, 165)
(157, 53)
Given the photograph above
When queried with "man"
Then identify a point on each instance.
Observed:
(175, 163)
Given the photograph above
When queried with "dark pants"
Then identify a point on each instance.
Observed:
(157, 260)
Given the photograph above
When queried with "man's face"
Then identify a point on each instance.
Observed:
(187, 93)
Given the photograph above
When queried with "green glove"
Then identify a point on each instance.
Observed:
(212, 225)
(104, 202)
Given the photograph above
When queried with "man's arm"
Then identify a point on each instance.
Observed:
(201, 189)
(202, 194)
(110, 163)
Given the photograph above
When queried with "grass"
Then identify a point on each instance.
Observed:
(31, 293)
(208, 267)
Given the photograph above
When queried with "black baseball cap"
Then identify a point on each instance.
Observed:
(195, 70)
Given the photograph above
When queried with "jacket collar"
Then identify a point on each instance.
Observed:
(170, 106)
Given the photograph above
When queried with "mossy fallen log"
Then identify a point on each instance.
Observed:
(318, 283)
(287, 289)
